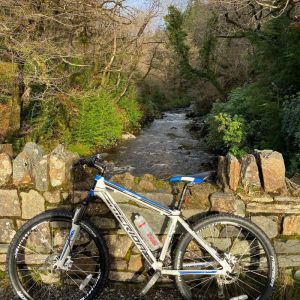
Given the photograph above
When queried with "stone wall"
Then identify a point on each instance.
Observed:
(254, 186)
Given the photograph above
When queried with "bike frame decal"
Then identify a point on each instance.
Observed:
(128, 227)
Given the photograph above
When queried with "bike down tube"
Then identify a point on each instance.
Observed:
(101, 192)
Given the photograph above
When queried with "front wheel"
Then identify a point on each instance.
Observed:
(37, 246)
(244, 246)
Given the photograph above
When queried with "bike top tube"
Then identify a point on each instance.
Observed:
(135, 196)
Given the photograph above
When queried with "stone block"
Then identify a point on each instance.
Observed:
(291, 225)
(7, 148)
(268, 224)
(287, 199)
(31, 166)
(104, 223)
(20, 223)
(273, 208)
(7, 230)
(272, 168)
(125, 179)
(146, 184)
(41, 174)
(96, 209)
(193, 214)
(287, 247)
(292, 187)
(233, 171)
(288, 261)
(5, 169)
(2, 258)
(165, 199)
(256, 197)
(135, 263)
(128, 136)
(126, 276)
(22, 173)
(53, 197)
(200, 196)
(3, 248)
(118, 245)
(263, 199)
(249, 172)
(9, 203)
(33, 204)
(220, 244)
(227, 202)
(118, 265)
(222, 178)
(60, 165)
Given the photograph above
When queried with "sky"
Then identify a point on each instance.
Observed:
(165, 3)
(143, 4)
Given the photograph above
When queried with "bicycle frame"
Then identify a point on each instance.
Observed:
(101, 190)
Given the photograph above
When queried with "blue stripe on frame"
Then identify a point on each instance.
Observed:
(205, 272)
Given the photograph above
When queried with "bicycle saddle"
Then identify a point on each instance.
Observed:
(196, 178)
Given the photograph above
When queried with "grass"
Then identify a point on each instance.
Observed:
(82, 149)
(287, 288)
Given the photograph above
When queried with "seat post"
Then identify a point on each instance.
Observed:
(182, 196)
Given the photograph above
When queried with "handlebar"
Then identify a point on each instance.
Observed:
(95, 162)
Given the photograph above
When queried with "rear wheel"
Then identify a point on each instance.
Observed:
(245, 247)
(37, 246)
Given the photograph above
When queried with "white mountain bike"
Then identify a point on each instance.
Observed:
(61, 255)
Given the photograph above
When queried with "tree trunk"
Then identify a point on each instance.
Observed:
(17, 101)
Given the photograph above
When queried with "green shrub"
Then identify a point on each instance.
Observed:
(99, 122)
(227, 133)
(291, 130)
(259, 109)
(132, 110)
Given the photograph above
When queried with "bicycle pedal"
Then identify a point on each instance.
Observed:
(150, 283)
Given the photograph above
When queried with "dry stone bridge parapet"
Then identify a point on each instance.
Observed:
(254, 186)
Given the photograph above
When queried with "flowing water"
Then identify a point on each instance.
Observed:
(163, 149)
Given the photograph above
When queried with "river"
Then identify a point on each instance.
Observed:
(163, 149)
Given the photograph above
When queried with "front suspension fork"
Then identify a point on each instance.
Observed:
(64, 262)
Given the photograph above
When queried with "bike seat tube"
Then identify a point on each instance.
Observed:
(182, 196)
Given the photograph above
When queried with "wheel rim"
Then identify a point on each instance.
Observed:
(243, 250)
(36, 253)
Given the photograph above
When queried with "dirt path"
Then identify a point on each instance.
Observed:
(117, 292)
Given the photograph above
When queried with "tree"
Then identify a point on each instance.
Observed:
(57, 46)
(177, 38)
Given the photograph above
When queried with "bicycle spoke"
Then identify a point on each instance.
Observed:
(243, 251)
(34, 264)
